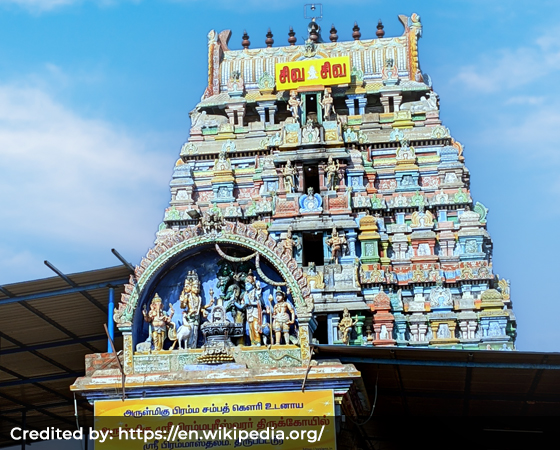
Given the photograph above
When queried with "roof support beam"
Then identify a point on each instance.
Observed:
(86, 294)
(91, 287)
(6, 292)
(81, 403)
(455, 395)
(399, 379)
(35, 380)
(36, 353)
(467, 396)
(31, 348)
(39, 409)
(124, 261)
(57, 325)
(533, 388)
(410, 362)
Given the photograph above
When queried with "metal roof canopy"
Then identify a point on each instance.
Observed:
(47, 327)
(414, 381)
(457, 398)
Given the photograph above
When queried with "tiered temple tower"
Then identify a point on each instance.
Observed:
(337, 152)
(317, 200)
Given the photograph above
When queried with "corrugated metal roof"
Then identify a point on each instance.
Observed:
(457, 382)
(46, 329)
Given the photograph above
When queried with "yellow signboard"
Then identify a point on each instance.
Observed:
(283, 420)
(313, 72)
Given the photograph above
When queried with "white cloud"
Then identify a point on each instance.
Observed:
(512, 68)
(37, 6)
(78, 184)
(526, 100)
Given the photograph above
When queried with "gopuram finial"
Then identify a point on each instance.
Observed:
(356, 32)
(245, 42)
(333, 37)
(292, 36)
(380, 31)
(269, 41)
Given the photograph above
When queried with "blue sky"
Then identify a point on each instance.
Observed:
(94, 102)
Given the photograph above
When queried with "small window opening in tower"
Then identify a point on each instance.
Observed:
(235, 117)
(266, 115)
(322, 331)
(313, 248)
(311, 178)
(391, 104)
(311, 107)
(356, 106)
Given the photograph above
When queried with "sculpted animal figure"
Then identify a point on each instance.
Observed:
(184, 332)
(424, 104)
(200, 119)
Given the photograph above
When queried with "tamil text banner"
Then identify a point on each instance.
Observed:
(278, 420)
(313, 72)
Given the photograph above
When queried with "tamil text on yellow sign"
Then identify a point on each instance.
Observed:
(283, 420)
(313, 72)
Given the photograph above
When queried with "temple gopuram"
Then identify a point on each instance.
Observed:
(318, 199)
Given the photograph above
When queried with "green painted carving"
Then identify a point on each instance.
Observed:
(461, 197)
(172, 214)
(357, 75)
(266, 81)
(377, 203)
(417, 199)
(482, 210)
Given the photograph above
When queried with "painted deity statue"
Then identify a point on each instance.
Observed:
(328, 105)
(293, 105)
(283, 316)
(191, 302)
(336, 244)
(289, 244)
(253, 309)
(345, 326)
(289, 174)
(331, 171)
(161, 326)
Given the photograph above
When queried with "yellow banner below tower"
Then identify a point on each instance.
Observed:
(284, 420)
